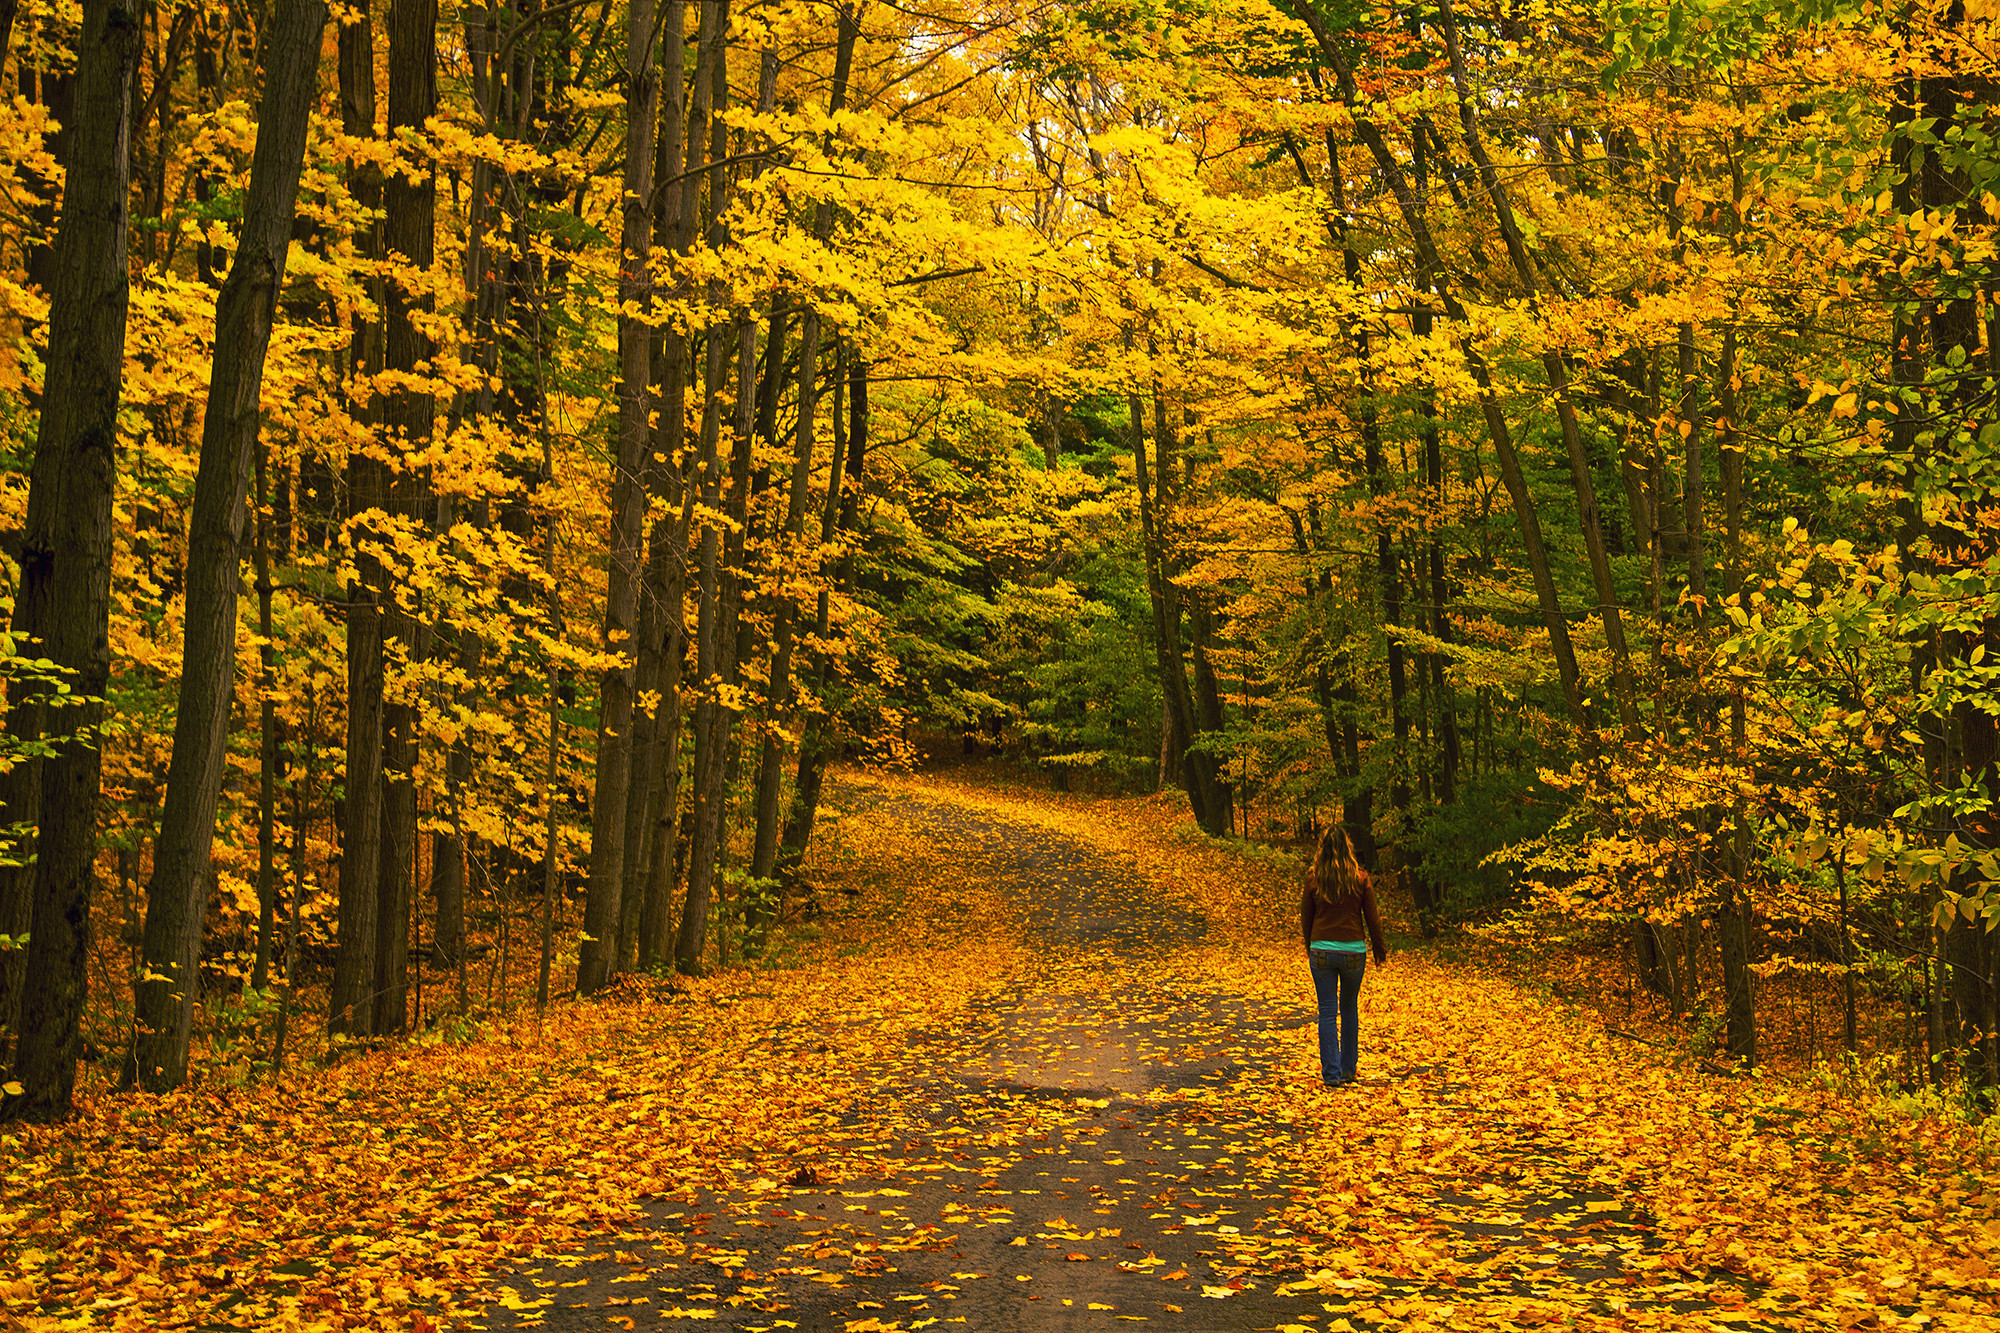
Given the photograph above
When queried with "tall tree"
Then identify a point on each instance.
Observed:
(1624, 689)
(714, 638)
(628, 509)
(683, 146)
(409, 199)
(1410, 209)
(351, 1004)
(244, 310)
(770, 771)
(64, 599)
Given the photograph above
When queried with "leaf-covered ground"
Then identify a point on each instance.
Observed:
(1053, 1067)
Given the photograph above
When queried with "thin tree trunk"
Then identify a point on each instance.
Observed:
(301, 810)
(715, 632)
(245, 310)
(1422, 325)
(267, 731)
(396, 877)
(67, 546)
(764, 855)
(850, 452)
(613, 784)
(449, 848)
(1410, 207)
(351, 1006)
(1177, 703)
(708, 739)
(684, 145)
(549, 831)
(707, 850)
(1622, 683)
(1409, 859)
(409, 199)
(1733, 917)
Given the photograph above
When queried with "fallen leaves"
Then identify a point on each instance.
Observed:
(1498, 1166)
(433, 1165)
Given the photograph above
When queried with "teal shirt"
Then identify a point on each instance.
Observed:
(1341, 946)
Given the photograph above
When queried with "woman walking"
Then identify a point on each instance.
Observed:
(1337, 906)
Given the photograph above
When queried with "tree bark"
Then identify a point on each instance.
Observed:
(683, 147)
(1409, 859)
(1168, 660)
(613, 782)
(267, 737)
(715, 631)
(843, 491)
(1410, 207)
(770, 773)
(176, 900)
(409, 199)
(1734, 915)
(65, 588)
(1622, 683)
(351, 1004)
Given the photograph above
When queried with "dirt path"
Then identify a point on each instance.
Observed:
(1113, 1134)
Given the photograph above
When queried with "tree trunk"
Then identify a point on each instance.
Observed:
(613, 783)
(770, 773)
(684, 146)
(267, 737)
(1208, 711)
(351, 1004)
(715, 632)
(1408, 857)
(1170, 660)
(66, 550)
(1734, 914)
(410, 208)
(1410, 207)
(176, 900)
(1622, 683)
(842, 503)
(449, 849)
(396, 878)
(1422, 325)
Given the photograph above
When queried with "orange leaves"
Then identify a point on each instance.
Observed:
(432, 1164)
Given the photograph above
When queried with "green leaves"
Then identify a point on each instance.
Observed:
(1706, 35)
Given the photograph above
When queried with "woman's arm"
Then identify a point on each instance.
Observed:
(1374, 920)
(1306, 905)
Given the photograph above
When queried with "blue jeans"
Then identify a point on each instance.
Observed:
(1337, 981)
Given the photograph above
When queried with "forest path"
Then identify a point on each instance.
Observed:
(1127, 1125)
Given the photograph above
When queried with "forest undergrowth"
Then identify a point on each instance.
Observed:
(390, 1189)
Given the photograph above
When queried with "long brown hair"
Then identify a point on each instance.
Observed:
(1337, 875)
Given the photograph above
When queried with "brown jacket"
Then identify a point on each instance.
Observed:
(1343, 920)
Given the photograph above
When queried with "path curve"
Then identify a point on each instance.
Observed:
(1094, 1142)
